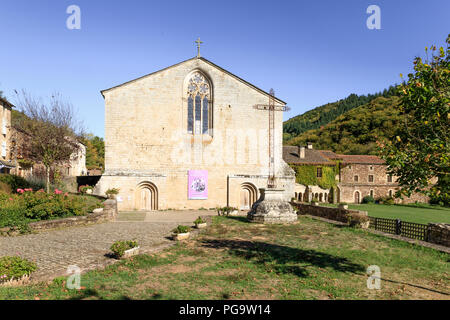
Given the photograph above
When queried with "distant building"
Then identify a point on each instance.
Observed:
(5, 137)
(356, 176)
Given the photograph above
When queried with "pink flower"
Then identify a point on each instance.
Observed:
(29, 189)
(66, 194)
(20, 191)
(10, 199)
(58, 191)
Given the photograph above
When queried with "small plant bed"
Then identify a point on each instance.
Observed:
(125, 249)
(17, 210)
(200, 223)
(112, 193)
(15, 270)
(227, 211)
(181, 233)
(233, 259)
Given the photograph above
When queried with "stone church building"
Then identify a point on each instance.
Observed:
(189, 137)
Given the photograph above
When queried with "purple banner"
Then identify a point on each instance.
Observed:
(197, 184)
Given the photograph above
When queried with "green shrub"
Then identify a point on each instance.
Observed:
(119, 247)
(368, 199)
(112, 191)
(315, 199)
(17, 210)
(356, 219)
(15, 182)
(15, 268)
(199, 220)
(5, 188)
(181, 229)
(225, 211)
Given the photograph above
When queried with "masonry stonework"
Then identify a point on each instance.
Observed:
(148, 147)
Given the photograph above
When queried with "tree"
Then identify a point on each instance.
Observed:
(51, 128)
(420, 149)
(95, 151)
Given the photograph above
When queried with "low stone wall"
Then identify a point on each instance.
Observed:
(352, 217)
(107, 213)
(439, 233)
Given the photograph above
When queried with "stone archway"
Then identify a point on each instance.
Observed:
(146, 197)
(248, 196)
(357, 197)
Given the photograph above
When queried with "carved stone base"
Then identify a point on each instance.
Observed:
(272, 208)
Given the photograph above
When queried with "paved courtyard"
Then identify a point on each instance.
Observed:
(88, 246)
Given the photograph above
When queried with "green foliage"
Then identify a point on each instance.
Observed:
(385, 200)
(13, 268)
(225, 211)
(368, 199)
(181, 229)
(199, 220)
(15, 182)
(356, 131)
(307, 175)
(420, 149)
(17, 210)
(112, 191)
(321, 116)
(119, 247)
(85, 188)
(95, 151)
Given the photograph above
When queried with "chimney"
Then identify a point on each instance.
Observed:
(310, 145)
(301, 152)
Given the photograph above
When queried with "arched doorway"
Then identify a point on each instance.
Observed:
(357, 197)
(146, 197)
(248, 196)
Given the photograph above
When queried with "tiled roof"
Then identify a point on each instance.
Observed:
(6, 102)
(362, 159)
(291, 155)
(7, 164)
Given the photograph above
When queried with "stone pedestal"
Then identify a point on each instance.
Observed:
(271, 207)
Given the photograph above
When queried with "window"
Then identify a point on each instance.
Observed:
(4, 131)
(4, 149)
(371, 168)
(199, 114)
(371, 193)
(319, 172)
(356, 178)
(370, 178)
(389, 178)
(390, 193)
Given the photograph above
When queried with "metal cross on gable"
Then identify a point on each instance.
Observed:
(271, 108)
(198, 42)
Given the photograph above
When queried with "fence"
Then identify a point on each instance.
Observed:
(402, 228)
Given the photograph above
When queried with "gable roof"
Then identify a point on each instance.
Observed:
(315, 157)
(361, 159)
(206, 61)
(6, 102)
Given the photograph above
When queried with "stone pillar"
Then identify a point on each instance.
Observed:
(272, 208)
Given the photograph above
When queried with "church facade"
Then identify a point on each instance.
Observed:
(189, 137)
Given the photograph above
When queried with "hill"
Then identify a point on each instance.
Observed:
(356, 131)
(323, 115)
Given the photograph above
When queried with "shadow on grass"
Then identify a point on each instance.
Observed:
(282, 259)
(91, 293)
(238, 218)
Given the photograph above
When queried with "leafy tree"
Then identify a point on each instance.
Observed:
(51, 128)
(95, 151)
(420, 148)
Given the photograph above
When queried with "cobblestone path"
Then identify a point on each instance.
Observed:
(88, 246)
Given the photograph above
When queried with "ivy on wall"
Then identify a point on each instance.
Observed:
(307, 175)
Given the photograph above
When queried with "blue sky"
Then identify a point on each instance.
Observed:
(310, 52)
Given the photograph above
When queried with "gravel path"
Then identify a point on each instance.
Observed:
(88, 246)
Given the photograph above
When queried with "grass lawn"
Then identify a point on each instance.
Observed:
(234, 259)
(420, 213)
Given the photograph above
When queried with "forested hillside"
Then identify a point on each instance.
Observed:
(323, 115)
(356, 131)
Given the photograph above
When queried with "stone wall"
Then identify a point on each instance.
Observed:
(147, 142)
(107, 213)
(352, 217)
(439, 233)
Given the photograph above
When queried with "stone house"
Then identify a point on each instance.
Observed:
(188, 137)
(356, 176)
(20, 147)
(5, 136)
